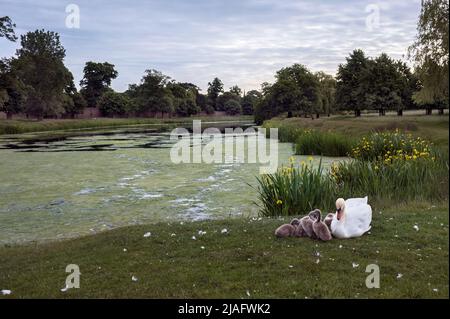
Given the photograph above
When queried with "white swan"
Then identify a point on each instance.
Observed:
(352, 218)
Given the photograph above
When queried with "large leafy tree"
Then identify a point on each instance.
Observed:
(249, 101)
(232, 107)
(12, 89)
(214, 89)
(236, 90)
(351, 85)
(327, 91)
(385, 89)
(296, 90)
(149, 95)
(39, 65)
(114, 104)
(96, 81)
(184, 98)
(224, 98)
(7, 29)
(305, 89)
(430, 53)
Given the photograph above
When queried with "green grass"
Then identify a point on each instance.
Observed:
(248, 258)
(312, 141)
(323, 143)
(433, 128)
(27, 126)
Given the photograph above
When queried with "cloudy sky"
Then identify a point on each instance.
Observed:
(242, 42)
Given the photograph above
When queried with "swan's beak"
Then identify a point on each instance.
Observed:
(339, 213)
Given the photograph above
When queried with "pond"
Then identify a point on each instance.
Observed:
(78, 184)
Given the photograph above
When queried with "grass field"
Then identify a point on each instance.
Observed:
(246, 262)
(434, 128)
(409, 243)
(27, 126)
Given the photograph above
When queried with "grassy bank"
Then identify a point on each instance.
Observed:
(433, 128)
(27, 126)
(246, 262)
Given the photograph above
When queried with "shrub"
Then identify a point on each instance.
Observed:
(232, 107)
(392, 146)
(112, 103)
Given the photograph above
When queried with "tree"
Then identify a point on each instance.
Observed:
(300, 89)
(202, 101)
(184, 97)
(249, 102)
(7, 29)
(149, 93)
(40, 67)
(96, 81)
(114, 104)
(430, 52)
(214, 89)
(166, 105)
(12, 89)
(236, 90)
(327, 92)
(74, 104)
(224, 98)
(232, 107)
(351, 85)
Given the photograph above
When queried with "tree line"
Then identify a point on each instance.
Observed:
(36, 82)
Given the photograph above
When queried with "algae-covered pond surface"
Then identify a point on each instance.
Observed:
(76, 185)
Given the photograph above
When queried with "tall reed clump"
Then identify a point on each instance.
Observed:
(315, 142)
(295, 190)
(390, 168)
(398, 182)
(311, 142)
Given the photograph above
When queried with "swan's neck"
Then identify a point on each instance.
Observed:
(342, 220)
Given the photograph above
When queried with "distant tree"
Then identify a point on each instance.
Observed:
(236, 90)
(224, 98)
(232, 107)
(430, 52)
(390, 85)
(74, 104)
(202, 101)
(96, 81)
(7, 29)
(114, 104)
(298, 90)
(214, 89)
(409, 85)
(40, 67)
(166, 105)
(351, 85)
(148, 95)
(184, 98)
(249, 102)
(12, 89)
(327, 92)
